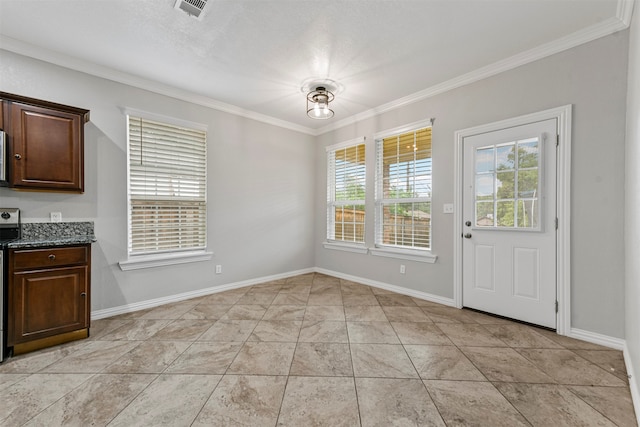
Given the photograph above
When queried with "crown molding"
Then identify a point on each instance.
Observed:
(67, 61)
(612, 25)
(624, 11)
(620, 22)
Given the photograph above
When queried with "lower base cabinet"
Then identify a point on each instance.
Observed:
(49, 296)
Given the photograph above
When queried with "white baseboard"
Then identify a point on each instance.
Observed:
(397, 289)
(604, 340)
(142, 305)
(595, 338)
(634, 381)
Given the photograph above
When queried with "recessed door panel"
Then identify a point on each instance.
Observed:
(526, 274)
(484, 277)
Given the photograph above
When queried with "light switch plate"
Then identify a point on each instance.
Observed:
(447, 208)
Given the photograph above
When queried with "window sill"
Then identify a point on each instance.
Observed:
(408, 254)
(161, 260)
(359, 249)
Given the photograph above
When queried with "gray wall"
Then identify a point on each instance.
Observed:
(593, 78)
(267, 185)
(632, 211)
(259, 177)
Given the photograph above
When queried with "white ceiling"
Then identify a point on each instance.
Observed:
(252, 57)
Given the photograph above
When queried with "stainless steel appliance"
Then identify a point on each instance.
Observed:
(9, 231)
(3, 159)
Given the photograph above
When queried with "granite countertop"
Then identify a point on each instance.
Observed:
(44, 234)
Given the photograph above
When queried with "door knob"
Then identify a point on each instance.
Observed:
(468, 223)
(467, 236)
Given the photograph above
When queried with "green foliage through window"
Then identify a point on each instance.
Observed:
(507, 182)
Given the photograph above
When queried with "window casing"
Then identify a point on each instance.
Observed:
(346, 186)
(166, 187)
(403, 190)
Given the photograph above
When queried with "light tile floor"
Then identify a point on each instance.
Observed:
(314, 350)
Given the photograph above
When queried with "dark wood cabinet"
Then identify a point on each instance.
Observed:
(45, 144)
(49, 296)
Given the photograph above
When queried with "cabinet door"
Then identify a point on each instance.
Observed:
(46, 148)
(47, 303)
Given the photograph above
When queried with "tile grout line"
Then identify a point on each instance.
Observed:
(490, 382)
(213, 390)
(286, 384)
(353, 368)
(156, 375)
(422, 381)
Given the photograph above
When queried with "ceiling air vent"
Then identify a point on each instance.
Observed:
(192, 7)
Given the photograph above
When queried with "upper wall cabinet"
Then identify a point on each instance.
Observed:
(45, 144)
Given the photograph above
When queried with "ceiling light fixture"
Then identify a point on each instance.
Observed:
(318, 103)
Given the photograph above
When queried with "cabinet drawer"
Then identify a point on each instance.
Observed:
(50, 257)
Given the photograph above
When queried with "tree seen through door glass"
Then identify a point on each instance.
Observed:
(507, 185)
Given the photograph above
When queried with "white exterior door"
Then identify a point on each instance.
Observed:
(509, 230)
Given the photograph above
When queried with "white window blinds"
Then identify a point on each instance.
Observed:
(167, 187)
(403, 190)
(346, 193)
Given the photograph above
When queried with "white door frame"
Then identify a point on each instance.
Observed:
(563, 206)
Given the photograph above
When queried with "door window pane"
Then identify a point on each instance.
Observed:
(484, 187)
(507, 185)
(528, 153)
(505, 157)
(505, 213)
(527, 183)
(485, 160)
(528, 213)
(484, 214)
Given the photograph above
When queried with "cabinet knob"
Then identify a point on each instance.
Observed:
(84, 294)
(52, 257)
(17, 156)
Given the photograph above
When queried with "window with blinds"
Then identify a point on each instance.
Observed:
(167, 187)
(403, 190)
(346, 193)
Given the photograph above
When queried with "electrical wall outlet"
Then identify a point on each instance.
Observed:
(447, 208)
(402, 269)
(56, 216)
(218, 269)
